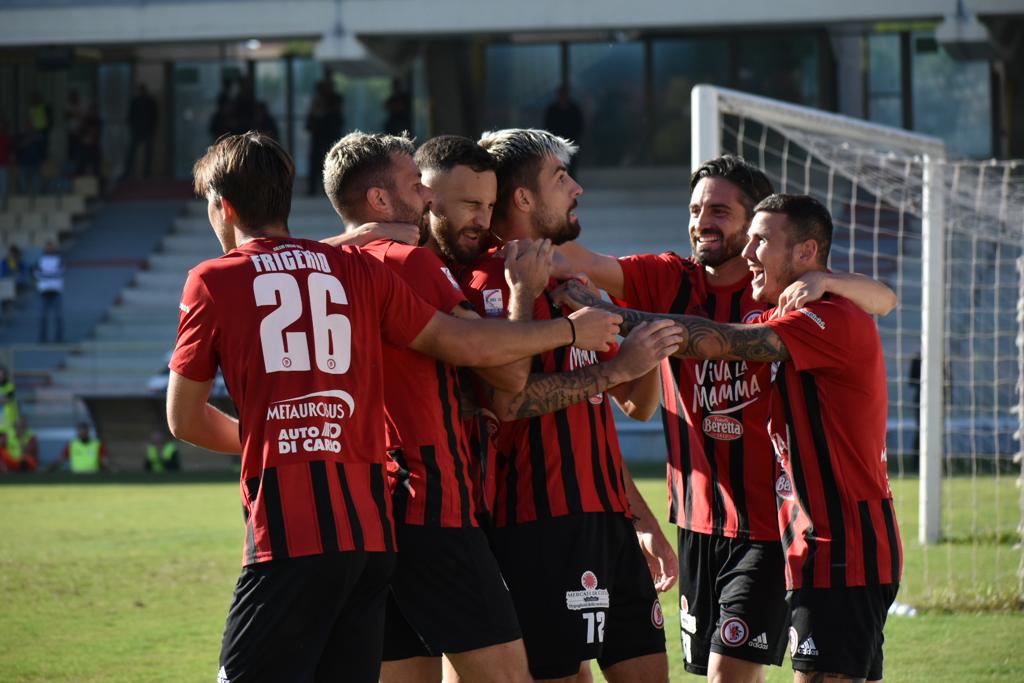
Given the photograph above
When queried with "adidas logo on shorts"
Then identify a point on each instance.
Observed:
(760, 642)
(222, 676)
(808, 648)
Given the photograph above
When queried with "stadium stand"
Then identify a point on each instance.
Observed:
(126, 270)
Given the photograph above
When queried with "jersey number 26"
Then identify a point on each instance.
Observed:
(332, 332)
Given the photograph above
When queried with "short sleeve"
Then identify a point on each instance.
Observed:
(195, 353)
(403, 313)
(432, 280)
(824, 334)
(486, 289)
(654, 282)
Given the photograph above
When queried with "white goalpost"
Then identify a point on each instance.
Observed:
(947, 236)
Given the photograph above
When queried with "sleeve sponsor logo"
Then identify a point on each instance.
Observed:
(591, 597)
(723, 427)
(494, 305)
(810, 314)
(184, 307)
(734, 632)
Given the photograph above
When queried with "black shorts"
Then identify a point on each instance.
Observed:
(314, 618)
(839, 630)
(732, 599)
(447, 595)
(582, 591)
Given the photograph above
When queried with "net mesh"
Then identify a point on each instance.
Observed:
(875, 191)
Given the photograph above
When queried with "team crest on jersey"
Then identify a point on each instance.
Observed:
(591, 597)
(784, 486)
(734, 632)
(451, 278)
(722, 427)
(657, 616)
(494, 304)
(752, 316)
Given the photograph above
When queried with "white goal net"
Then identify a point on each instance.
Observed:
(948, 237)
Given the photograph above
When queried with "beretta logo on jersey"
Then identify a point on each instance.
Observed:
(723, 427)
(591, 597)
(784, 487)
(494, 305)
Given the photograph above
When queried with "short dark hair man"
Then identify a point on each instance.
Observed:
(721, 474)
(447, 596)
(297, 329)
(827, 427)
(561, 484)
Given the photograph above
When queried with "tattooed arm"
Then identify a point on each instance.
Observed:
(547, 392)
(702, 338)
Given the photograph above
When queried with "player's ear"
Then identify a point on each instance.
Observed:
(377, 199)
(227, 211)
(522, 199)
(807, 253)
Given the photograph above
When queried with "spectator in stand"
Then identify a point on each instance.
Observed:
(13, 266)
(83, 454)
(90, 149)
(161, 454)
(143, 115)
(50, 285)
(20, 448)
(8, 404)
(29, 154)
(74, 117)
(325, 122)
(564, 118)
(6, 144)
(263, 121)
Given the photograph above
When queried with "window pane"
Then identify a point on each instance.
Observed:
(521, 82)
(784, 66)
(607, 81)
(196, 89)
(885, 102)
(952, 99)
(678, 65)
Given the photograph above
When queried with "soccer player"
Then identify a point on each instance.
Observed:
(447, 595)
(827, 427)
(567, 516)
(296, 327)
(733, 615)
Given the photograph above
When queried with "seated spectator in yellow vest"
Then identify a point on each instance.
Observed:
(8, 405)
(21, 448)
(85, 455)
(161, 454)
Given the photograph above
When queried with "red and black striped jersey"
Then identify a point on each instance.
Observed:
(714, 412)
(296, 327)
(828, 424)
(432, 481)
(561, 463)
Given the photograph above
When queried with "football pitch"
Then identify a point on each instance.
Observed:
(129, 579)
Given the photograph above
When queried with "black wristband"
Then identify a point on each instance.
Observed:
(573, 328)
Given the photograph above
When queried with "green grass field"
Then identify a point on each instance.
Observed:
(129, 580)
